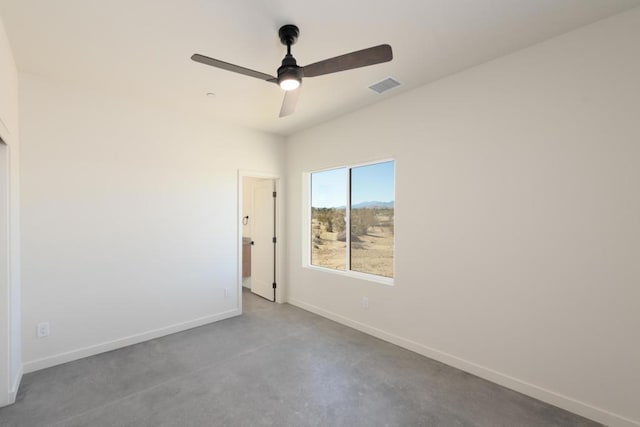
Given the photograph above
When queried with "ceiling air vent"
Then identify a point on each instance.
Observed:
(385, 85)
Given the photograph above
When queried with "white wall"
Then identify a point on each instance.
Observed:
(128, 215)
(517, 220)
(10, 349)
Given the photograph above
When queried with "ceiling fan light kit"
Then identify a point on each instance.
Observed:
(289, 80)
(290, 74)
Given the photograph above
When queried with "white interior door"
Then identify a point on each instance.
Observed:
(263, 230)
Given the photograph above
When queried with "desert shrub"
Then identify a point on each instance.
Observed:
(342, 237)
(332, 219)
(361, 220)
(339, 220)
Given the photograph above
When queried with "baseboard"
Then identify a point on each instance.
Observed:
(13, 393)
(57, 359)
(548, 396)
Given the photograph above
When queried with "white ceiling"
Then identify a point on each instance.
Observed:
(142, 47)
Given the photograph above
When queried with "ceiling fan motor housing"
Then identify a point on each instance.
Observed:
(289, 70)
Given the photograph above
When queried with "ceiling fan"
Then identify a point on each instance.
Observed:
(290, 74)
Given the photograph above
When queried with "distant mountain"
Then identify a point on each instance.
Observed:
(374, 204)
(363, 205)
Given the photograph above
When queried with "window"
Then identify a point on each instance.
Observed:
(360, 199)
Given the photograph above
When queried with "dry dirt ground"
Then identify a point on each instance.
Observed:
(373, 254)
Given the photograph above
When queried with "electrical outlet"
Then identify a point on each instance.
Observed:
(226, 292)
(365, 303)
(42, 330)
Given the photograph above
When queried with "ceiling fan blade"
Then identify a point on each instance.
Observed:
(230, 67)
(289, 102)
(349, 61)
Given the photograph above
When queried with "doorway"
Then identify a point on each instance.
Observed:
(259, 223)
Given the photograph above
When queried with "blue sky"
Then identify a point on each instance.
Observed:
(369, 183)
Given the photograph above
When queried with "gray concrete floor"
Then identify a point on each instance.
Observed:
(276, 365)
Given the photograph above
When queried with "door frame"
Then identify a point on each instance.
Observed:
(279, 227)
(10, 349)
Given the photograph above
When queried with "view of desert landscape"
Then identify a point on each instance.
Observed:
(348, 199)
(372, 240)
